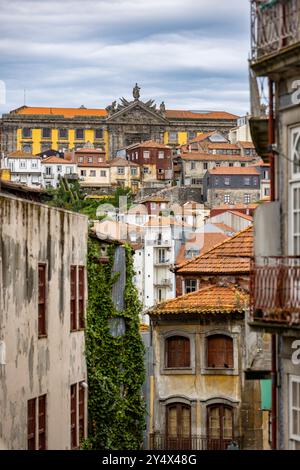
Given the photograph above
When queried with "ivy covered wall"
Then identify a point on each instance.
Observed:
(114, 352)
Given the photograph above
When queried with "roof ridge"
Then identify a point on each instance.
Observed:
(227, 240)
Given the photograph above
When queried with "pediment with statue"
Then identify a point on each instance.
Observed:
(136, 111)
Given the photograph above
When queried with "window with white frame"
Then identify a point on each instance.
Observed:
(23, 163)
(294, 197)
(294, 407)
(226, 198)
(121, 170)
(33, 164)
(146, 154)
(161, 154)
(227, 180)
(246, 198)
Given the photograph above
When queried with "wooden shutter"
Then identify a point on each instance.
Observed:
(81, 412)
(74, 416)
(42, 300)
(31, 424)
(178, 351)
(42, 423)
(220, 351)
(81, 296)
(73, 298)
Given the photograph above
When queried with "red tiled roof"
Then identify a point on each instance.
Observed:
(57, 160)
(234, 170)
(241, 214)
(214, 157)
(231, 256)
(246, 145)
(201, 137)
(204, 241)
(82, 150)
(121, 162)
(66, 112)
(177, 114)
(210, 299)
(222, 145)
(148, 144)
(21, 154)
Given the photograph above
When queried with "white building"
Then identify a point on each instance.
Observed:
(53, 168)
(24, 167)
(242, 131)
(43, 291)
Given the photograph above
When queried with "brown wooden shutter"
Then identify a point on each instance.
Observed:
(42, 300)
(220, 351)
(81, 412)
(73, 298)
(31, 424)
(178, 351)
(73, 416)
(81, 296)
(42, 423)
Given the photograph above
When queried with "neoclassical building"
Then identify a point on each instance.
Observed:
(36, 129)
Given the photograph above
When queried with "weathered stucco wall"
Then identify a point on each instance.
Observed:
(32, 233)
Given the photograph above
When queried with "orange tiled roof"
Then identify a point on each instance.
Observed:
(214, 157)
(59, 161)
(21, 154)
(204, 241)
(246, 145)
(230, 256)
(177, 114)
(241, 214)
(222, 145)
(148, 144)
(201, 137)
(66, 112)
(234, 170)
(119, 161)
(83, 150)
(224, 227)
(210, 299)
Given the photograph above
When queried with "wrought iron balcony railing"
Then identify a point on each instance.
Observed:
(275, 290)
(159, 441)
(275, 24)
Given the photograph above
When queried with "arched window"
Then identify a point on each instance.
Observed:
(178, 426)
(220, 351)
(219, 426)
(178, 351)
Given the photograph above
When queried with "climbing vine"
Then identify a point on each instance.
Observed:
(115, 364)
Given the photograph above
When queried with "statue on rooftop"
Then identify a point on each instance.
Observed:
(136, 92)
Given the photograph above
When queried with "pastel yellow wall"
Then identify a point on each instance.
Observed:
(106, 143)
(36, 141)
(71, 138)
(166, 138)
(5, 174)
(182, 138)
(54, 144)
(89, 135)
(19, 137)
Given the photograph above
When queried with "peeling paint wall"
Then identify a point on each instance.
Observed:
(32, 233)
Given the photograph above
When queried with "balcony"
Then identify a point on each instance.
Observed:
(275, 29)
(275, 292)
(159, 441)
(163, 283)
(162, 262)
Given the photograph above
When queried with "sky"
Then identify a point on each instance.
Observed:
(191, 54)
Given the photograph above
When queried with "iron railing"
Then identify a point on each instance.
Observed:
(159, 441)
(275, 24)
(275, 290)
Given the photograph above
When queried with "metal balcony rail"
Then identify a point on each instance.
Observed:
(275, 24)
(275, 290)
(194, 442)
(163, 282)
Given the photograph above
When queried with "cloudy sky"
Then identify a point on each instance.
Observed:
(190, 53)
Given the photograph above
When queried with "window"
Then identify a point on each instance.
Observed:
(98, 134)
(59, 168)
(216, 181)
(266, 174)
(246, 198)
(92, 172)
(191, 135)
(146, 170)
(177, 352)
(77, 300)
(197, 181)
(226, 198)
(247, 181)
(230, 164)
(294, 407)
(48, 170)
(42, 331)
(178, 426)
(161, 154)
(146, 154)
(82, 172)
(173, 137)
(46, 133)
(295, 152)
(63, 134)
(26, 133)
(227, 180)
(193, 165)
(81, 414)
(33, 164)
(73, 416)
(79, 134)
(23, 164)
(205, 166)
(255, 181)
(36, 428)
(220, 351)
(121, 170)
(161, 255)
(133, 171)
(80, 159)
(243, 165)
(90, 159)
(266, 191)
(190, 285)
(26, 148)
(73, 300)
(219, 426)
(103, 173)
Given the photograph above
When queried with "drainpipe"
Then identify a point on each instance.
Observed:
(271, 139)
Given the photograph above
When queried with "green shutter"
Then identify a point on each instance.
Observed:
(266, 394)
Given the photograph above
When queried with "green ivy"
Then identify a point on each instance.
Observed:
(115, 364)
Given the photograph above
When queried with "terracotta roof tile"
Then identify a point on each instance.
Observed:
(210, 299)
(66, 112)
(222, 145)
(204, 241)
(214, 157)
(230, 256)
(57, 160)
(148, 144)
(178, 114)
(21, 154)
(246, 145)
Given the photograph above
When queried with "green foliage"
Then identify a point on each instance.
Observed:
(115, 364)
